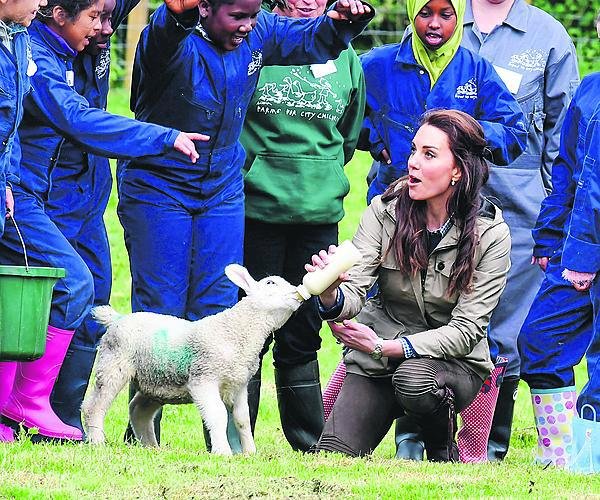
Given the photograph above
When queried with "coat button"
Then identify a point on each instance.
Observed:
(441, 266)
(421, 72)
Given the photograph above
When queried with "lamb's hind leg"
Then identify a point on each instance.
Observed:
(241, 419)
(110, 380)
(207, 399)
(141, 415)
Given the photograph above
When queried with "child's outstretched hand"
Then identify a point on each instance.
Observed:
(185, 144)
(10, 202)
(180, 6)
(348, 10)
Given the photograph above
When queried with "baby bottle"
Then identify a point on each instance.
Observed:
(318, 281)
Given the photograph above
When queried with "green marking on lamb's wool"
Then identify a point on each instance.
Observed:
(169, 357)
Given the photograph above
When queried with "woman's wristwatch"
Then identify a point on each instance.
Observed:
(377, 352)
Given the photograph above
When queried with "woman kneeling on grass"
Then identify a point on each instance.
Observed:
(440, 253)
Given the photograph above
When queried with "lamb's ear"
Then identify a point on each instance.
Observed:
(240, 276)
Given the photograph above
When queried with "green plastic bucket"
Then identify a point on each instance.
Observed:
(25, 298)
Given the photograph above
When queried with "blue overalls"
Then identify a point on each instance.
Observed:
(14, 85)
(183, 224)
(399, 92)
(54, 105)
(558, 328)
(79, 191)
(581, 252)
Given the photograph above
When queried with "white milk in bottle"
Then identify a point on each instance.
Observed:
(318, 281)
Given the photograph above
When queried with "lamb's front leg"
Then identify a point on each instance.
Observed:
(207, 399)
(241, 419)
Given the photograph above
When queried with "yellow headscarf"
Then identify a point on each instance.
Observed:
(435, 61)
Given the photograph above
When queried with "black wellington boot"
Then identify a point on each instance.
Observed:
(409, 439)
(254, 397)
(503, 416)
(300, 404)
(72, 383)
(439, 430)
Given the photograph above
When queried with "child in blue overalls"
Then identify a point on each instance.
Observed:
(16, 66)
(428, 69)
(558, 328)
(581, 261)
(197, 65)
(54, 104)
(78, 196)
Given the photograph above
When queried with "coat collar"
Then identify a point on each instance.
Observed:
(517, 16)
(405, 53)
(449, 240)
(52, 39)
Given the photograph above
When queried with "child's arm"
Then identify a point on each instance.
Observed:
(97, 131)
(122, 10)
(169, 26)
(294, 41)
(501, 117)
(12, 172)
(348, 10)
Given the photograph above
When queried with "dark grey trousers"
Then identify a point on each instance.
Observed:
(366, 407)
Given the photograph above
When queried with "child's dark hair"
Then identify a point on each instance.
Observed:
(71, 7)
(215, 4)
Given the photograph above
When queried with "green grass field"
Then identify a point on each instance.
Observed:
(181, 468)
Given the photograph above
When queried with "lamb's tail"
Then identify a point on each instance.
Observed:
(105, 315)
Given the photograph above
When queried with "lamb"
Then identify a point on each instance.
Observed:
(175, 361)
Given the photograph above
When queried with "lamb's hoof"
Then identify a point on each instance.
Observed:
(222, 450)
(250, 450)
(95, 437)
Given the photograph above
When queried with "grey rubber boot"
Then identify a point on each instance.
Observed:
(409, 440)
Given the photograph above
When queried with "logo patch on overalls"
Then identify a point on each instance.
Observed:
(102, 63)
(256, 62)
(467, 90)
(530, 60)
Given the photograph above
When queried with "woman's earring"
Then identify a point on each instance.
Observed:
(452, 182)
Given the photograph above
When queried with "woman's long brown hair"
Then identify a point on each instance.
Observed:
(409, 246)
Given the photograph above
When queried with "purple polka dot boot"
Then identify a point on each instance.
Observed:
(554, 410)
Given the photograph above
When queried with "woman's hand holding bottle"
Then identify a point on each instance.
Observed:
(327, 270)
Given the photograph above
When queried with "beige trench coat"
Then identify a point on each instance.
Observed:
(437, 326)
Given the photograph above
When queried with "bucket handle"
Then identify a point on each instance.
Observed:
(589, 407)
(12, 218)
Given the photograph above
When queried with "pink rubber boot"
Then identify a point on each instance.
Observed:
(472, 438)
(29, 402)
(334, 386)
(8, 370)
